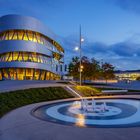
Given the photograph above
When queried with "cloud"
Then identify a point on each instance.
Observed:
(130, 5)
(126, 49)
(123, 55)
(122, 49)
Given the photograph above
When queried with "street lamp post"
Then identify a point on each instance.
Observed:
(79, 48)
(80, 78)
(80, 51)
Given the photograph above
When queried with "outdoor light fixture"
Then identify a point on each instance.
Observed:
(82, 39)
(76, 48)
(80, 51)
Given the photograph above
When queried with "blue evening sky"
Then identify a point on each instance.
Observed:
(111, 28)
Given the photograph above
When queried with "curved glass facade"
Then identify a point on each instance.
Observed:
(27, 35)
(24, 57)
(27, 74)
(25, 64)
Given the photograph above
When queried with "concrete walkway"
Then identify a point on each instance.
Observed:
(19, 124)
(18, 85)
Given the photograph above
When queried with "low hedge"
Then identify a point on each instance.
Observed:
(15, 99)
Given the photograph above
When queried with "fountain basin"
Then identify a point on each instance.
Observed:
(121, 113)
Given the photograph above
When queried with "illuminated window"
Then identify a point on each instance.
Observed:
(28, 74)
(25, 57)
(25, 37)
(3, 37)
(7, 36)
(34, 37)
(20, 35)
(11, 33)
(15, 56)
(30, 35)
(15, 37)
(36, 75)
(42, 76)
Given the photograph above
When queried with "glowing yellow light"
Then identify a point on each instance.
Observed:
(80, 121)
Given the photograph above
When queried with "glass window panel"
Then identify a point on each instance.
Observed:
(20, 74)
(30, 58)
(35, 57)
(4, 34)
(25, 36)
(0, 75)
(34, 38)
(20, 57)
(29, 74)
(7, 56)
(20, 35)
(47, 75)
(38, 37)
(25, 56)
(15, 56)
(30, 35)
(10, 57)
(0, 36)
(41, 61)
(5, 74)
(36, 75)
(41, 40)
(11, 34)
(42, 77)
(15, 36)
(11, 73)
(7, 36)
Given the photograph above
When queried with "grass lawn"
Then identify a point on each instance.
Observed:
(15, 99)
(87, 91)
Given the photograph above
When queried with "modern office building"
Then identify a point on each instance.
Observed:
(127, 75)
(28, 50)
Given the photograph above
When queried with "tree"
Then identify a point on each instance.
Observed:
(75, 60)
(86, 70)
(73, 67)
(107, 71)
(95, 69)
(91, 69)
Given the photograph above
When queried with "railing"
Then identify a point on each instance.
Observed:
(114, 91)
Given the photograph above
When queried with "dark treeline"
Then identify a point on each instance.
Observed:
(91, 69)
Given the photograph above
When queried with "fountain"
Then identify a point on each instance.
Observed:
(92, 112)
(90, 106)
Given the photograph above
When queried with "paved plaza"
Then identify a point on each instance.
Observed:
(19, 124)
(17, 85)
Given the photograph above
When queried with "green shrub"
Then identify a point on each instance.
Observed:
(14, 99)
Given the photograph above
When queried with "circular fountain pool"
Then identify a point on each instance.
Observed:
(120, 113)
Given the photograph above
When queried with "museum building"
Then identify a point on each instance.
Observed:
(28, 50)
